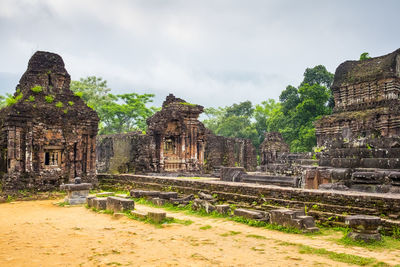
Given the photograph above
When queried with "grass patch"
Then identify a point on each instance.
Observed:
(256, 236)
(340, 257)
(387, 242)
(205, 227)
(230, 233)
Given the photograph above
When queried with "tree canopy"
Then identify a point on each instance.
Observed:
(293, 115)
(117, 113)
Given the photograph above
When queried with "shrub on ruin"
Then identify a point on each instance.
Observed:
(49, 98)
(37, 89)
(59, 104)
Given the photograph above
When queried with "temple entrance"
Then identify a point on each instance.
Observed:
(172, 159)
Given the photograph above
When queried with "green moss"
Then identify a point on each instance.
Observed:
(49, 98)
(71, 103)
(37, 89)
(79, 94)
(31, 98)
(65, 111)
(59, 104)
(187, 104)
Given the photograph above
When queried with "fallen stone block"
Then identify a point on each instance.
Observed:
(143, 193)
(200, 204)
(118, 204)
(364, 227)
(293, 218)
(205, 196)
(139, 214)
(232, 174)
(223, 209)
(168, 195)
(156, 216)
(249, 214)
(99, 203)
(158, 201)
(182, 201)
(89, 201)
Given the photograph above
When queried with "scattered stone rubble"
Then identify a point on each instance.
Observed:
(293, 218)
(364, 227)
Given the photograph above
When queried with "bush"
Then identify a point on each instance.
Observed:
(59, 104)
(37, 89)
(49, 98)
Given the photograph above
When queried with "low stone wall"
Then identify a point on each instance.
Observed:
(326, 206)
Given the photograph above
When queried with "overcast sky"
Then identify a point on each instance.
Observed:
(209, 52)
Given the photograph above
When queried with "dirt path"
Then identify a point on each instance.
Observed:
(38, 233)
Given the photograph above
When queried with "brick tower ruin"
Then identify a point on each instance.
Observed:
(362, 137)
(178, 135)
(48, 135)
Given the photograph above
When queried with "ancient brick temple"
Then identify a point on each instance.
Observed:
(48, 136)
(271, 148)
(361, 138)
(176, 141)
(178, 135)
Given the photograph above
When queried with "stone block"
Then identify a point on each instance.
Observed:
(223, 209)
(364, 227)
(76, 193)
(249, 214)
(232, 174)
(99, 203)
(143, 193)
(158, 201)
(168, 195)
(156, 216)
(89, 201)
(139, 214)
(118, 204)
(200, 204)
(293, 218)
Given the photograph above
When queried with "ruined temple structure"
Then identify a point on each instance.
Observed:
(47, 134)
(178, 136)
(176, 142)
(361, 139)
(272, 146)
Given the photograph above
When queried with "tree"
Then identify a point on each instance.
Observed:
(94, 91)
(130, 115)
(117, 113)
(364, 56)
(318, 75)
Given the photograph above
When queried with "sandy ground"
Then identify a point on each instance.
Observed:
(38, 233)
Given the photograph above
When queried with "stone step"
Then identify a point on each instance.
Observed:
(286, 181)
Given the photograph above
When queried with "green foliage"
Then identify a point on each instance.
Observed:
(13, 99)
(293, 116)
(117, 113)
(364, 56)
(233, 121)
(71, 103)
(187, 104)
(78, 94)
(31, 98)
(49, 98)
(59, 104)
(37, 89)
